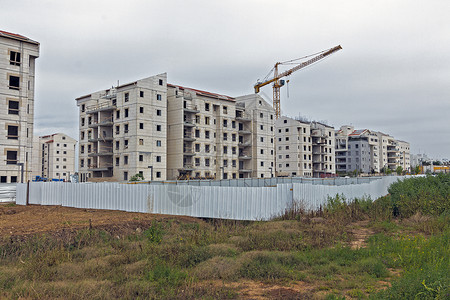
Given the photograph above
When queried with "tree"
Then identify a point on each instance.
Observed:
(416, 169)
(399, 170)
(137, 177)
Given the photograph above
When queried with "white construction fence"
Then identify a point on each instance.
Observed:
(7, 192)
(223, 202)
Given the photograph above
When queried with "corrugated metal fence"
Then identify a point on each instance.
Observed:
(239, 203)
(7, 192)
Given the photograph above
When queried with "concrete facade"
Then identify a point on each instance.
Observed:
(305, 149)
(56, 154)
(17, 79)
(123, 131)
(165, 131)
(367, 151)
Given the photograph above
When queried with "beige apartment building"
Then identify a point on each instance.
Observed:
(17, 78)
(304, 149)
(165, 131)
(369, 151)
(123, 131)
(56, 156)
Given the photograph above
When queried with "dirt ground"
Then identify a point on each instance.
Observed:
(21, 220)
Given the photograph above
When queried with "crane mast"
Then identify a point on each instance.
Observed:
(278, 83)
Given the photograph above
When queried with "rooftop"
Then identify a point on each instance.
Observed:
(16, 36)
(203, 93)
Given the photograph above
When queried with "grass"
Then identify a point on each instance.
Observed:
(171, 259)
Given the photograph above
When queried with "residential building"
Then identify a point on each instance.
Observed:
(56, 154)
(17, 78)
(304, 149)
(369, 152)
(123, 131)
(166, 131)
(223, 137)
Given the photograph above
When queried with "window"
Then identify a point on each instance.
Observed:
(14, 178)
(197, 162)
(141, 94)
(197, 133)
(261, 139)
(287, 138)
(141, 142)
(225, 123)
(225, 110)
(125, 175)
(14, 58)
(125, 128)
(233, 137)
(261, 115)
(117, 145)
(158, 158)
(207, 148)
(126, 112)
(225, 162)
(158, 97)
(13, 132)
(158, 174)
(207, 162)
(158, 143)
(225, 136)
(206, 134)
(117, 161)
(160, 82)
(57, 166)
(262, 151)
(207, 106)
(127, 97)
(13, 107)
(285, 121)
(141, 109)
(141, 125)
(82, 163)
(141, 157)
(14, 82)
(125, 159)
(262, 164)
(197, 119)
(82, 149)
(206, 120)
(125, 144)
(158, 112)
(117, 114)
(117, 129)
(261, 127)
(233, 163)
(65, 145)
(83, 107)
(225, 149)
(158, 127)
(271, 117)
(57, 159)
(233, 150)
(197, 147)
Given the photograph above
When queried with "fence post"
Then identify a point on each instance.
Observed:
(28, 193)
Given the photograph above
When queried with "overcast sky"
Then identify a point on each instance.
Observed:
(391, 76)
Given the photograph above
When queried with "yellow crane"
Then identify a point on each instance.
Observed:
(278, 82)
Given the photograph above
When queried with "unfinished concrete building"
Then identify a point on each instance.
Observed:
(123, 131)
(222, 137)
(369, 152)
(17, 78)
(56, 156)
(165, 131)
(304, 149)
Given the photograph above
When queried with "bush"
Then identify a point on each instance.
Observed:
(428, 195)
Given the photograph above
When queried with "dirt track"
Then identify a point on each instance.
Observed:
(25, 220)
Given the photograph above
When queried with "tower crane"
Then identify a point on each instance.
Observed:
(278, 82)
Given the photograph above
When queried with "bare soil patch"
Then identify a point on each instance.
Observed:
(34, 219)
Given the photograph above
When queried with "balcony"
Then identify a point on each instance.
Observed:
(191, 109)
(244, 144)
(242, 170)
(103, 151)
(100, 107)
(188, 152)
(188, 123)
(187, 167)
(244, 131)
(100, 168)
(104, 123)
(243, 117)
(244, 156)
(188, 137)
(102, 139)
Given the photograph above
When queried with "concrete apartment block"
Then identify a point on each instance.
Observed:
(254, 112)
(304, 149)
(369, 151)
(123, 131)
(217, 136)
(17, 78)
(56, 154)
